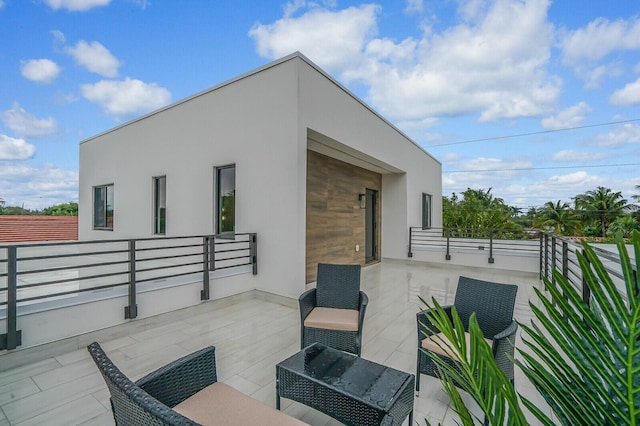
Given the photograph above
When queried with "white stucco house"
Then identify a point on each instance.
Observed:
(284, 151)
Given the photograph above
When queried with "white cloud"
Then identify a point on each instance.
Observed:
(600, 38)
(76, 5)
(482, 163)
(58, 36)
(568, 118)
(333, 39)
(37, 187)
(40, 70)
(414, 6)
(570, 156)
(26, 125)
(626, 133)
(129, 96)
(15, 149)
(489, 67)
(627, 96)
(95, 57)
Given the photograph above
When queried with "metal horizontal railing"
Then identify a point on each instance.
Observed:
(554, 252)
(35, 272)
(562, 254)
(491, 241)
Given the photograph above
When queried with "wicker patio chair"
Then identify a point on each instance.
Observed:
(493, 304)
(332, 313)
(184, 392)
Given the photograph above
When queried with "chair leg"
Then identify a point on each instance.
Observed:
(418, 374)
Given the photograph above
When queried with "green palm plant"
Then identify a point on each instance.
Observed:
(584, 359)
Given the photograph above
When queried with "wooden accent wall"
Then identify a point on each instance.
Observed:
(335, 221)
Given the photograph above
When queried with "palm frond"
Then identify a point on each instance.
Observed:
(587, 356)
(476, 371)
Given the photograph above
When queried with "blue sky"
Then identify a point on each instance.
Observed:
(463, 78)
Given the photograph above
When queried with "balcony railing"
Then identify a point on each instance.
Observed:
(554, 252)
(62, 272)
(561, 253)
(489, 241)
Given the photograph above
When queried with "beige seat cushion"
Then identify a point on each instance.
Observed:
(220, 404)
(333, 319)
(439, 344)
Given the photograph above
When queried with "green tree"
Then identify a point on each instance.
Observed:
(624, 225)
(477, 210)
(63, 209)
(601, 205)
(559, 216)
(16, 211)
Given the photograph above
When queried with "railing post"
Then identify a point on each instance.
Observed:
(448, 255)
(13, 338)
(212, 253)
(131, 311)
(491, 259)
(565, 259)
(546, 256)
(410, 253)
(253, 251)
(204, 294)
(541, 236)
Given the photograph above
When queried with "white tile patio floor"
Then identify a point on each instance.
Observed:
(251, 336)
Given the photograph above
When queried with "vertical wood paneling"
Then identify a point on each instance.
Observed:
(335, 221)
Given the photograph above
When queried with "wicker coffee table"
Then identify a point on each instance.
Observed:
(350, 389)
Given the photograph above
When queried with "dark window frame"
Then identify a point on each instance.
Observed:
(103, 207)
(426, 210)
(160, 205)
(225, 220)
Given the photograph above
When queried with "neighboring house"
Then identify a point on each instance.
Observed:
(284, 151)
(15, 229)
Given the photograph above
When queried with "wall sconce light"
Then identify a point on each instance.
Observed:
(363, 200)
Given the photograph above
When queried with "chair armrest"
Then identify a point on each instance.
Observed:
(364, 301)
(307, 302)
(181, 378)
(507, 332)
(425, 327)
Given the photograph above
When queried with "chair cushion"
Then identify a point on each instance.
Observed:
(439, 344)
(220, 404)
(333, 319)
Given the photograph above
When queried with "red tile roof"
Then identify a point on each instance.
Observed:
(15, 229)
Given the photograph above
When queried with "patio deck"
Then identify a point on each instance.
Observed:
(251, 335)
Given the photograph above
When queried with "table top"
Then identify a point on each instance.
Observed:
(365, 380)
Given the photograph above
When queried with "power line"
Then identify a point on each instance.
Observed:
(543, 168)
(542, 132)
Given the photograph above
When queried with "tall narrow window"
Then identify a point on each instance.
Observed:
(426, 211)
(226, 199)
(103, 207)
(160, 205)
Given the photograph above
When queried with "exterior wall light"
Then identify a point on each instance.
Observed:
(363, 200)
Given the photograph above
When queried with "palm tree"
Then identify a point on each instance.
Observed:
(602, 205)
(559, 216)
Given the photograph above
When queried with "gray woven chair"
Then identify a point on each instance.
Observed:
(149, 400)
(188, 385)
(493, 304)
(337, 294)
